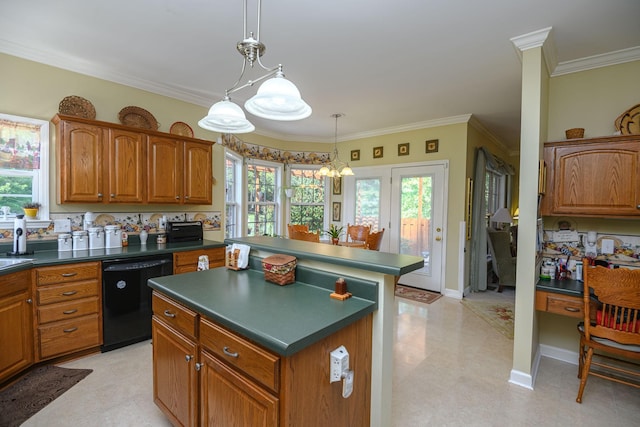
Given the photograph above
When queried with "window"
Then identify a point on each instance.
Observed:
(263, 181)
(367, 203)
(24, 163)
(308, 199)
(233, 195)
(495, 191)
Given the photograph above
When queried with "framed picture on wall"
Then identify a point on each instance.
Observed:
(337, 185)
(431, 146)
(337, 211)
(403, 149)
(355, 155)
(378, 152)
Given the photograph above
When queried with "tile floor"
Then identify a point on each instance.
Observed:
(451, 369)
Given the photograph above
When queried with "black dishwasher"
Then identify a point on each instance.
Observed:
(126, 298)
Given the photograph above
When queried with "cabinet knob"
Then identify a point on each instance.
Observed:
(188, 357)
(29, 301)
(198, 366)
(638, 207)
(186, 197)
(99, 194)
(113, 196)
(177, 197)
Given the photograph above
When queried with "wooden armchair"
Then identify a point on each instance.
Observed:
(503, 263)
(305, 235)
(357, 235)
(611, 331)
(374, 239)
(297, 227)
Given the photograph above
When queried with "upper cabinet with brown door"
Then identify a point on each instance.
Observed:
(101, 162)
(593, 177)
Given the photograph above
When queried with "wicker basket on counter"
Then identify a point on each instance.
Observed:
(280, 269)
(574, 133)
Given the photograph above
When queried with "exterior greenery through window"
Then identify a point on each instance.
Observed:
(262, 204)
(367, 211)
(307, 203)
(233, 172)
(23, 162)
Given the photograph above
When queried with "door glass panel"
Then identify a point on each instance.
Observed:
(415, 218)
(367, 209)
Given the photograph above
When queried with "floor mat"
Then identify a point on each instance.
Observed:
(34, 391)
(500, 315)
(416, 294)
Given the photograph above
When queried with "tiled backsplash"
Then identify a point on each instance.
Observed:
(132, 223)
(558, 243)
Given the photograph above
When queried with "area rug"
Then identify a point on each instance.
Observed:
(416, 294)
(498, 314)
(34, 391)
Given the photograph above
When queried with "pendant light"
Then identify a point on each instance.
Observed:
(335, 167)
(276, 99)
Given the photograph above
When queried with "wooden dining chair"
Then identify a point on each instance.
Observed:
(305, 235)
(297, 227)
(357, 233)
(374, 240)
(611, 328)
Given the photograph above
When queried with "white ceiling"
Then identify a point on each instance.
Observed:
(388, 65)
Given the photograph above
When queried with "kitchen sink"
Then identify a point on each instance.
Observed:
(10, 262)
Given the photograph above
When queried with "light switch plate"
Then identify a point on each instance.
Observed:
(62, 226)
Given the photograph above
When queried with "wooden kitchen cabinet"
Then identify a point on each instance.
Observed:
(238, 382)
(16, 324)
(68, 307)
(101, 162)
(593, 177)
(180, 172)
(187, 261)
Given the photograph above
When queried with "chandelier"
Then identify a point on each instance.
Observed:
(276, 99)
(335, 167)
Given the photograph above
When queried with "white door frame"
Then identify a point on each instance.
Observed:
(384, 173)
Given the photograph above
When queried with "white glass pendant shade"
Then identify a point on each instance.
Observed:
(226, 117)
(278, 99)
(324, 171)
(346, 171)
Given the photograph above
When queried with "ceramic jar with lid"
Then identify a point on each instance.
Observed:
(96, 238)
(65, 242)
(112, 236)
(80, 241)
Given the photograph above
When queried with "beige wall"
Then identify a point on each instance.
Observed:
(592, 100)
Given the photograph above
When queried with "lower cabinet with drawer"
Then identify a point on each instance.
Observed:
(205, 374)
(68, 309)
(187, 261)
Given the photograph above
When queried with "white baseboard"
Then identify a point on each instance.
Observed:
(521, 379)
(452, 293)
(559, 354)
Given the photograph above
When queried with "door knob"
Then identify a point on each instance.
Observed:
(438, 229)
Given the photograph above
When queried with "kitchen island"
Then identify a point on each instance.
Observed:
(382, 268)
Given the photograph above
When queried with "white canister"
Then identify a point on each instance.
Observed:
(96, 238)
(112, 236)
(143, 237)
(579, 271)
(80, 241)
(65, 242)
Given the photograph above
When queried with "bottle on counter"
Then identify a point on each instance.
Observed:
(125, 239)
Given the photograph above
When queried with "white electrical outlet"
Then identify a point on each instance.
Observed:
(339, 362)
(61, 225)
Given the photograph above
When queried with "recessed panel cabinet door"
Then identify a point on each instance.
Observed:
(164, 166)
(198, 173)
(80, 162)
(595, 177)
(125, 160)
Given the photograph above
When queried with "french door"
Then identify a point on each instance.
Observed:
(409, 201)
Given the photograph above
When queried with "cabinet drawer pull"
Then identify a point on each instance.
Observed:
(75, 310)
(69, 293)
(70, 330)
(229, 353)
(169, 314)
(69, 274)
(572, 309)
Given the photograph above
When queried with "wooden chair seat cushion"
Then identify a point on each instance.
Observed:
(610, 343)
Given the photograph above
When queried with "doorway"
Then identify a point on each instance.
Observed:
(409, 201)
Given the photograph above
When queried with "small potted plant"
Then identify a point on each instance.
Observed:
(31, 209)
(335, 233)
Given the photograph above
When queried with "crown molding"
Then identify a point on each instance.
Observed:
(597, 61)
(477, 125)
(541, 38)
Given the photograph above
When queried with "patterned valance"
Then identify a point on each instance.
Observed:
(255, 151)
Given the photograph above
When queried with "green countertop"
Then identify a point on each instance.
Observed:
(284, 319)
(52, 257)
(380, 262)
(566, 287)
